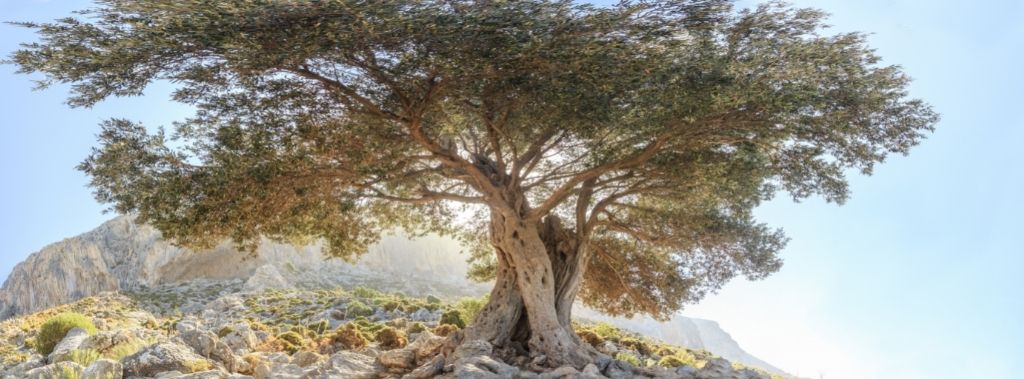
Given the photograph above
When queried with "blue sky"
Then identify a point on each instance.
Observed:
(917, 276)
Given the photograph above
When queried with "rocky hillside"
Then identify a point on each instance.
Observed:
(123, 256)
(354, 333)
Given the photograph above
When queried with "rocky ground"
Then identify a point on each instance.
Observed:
(211, 330)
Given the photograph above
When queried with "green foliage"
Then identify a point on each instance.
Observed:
(469, 307)
(122, 350)
(196, 366)
(54, 330)
(227, 329)
(391, 338)
(84, 357)
(678, 359)
(320, 327)
(367, 327)
(65, 372)
(349, 336)
(606, 331)
(366, 293)
(454, 318)
(674, 120)
(590, 337)
(357, 309)
(291, 341)
(445, 330)
(416, 327)
(433, 299)
(629, 358)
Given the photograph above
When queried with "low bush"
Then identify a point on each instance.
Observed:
(416, 327)
(349, 337)
(445, 330)
(357, 309)
(54, 330)
(628, 358)
(454, 318)
(391, 338)
(590, 337)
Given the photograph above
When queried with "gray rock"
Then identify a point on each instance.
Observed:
(686, 372)
(426, 346)
(716, 368)
(242, 338)
(398, 358)
(307, 358)
(619, 370)
(162, 357)
(560, 373)
(347, 364)
(471, 349)
(19, 370)
(483, 366)
(71, 342)
(429, 369)
(103, 369)
(207, 344)
(56, 370)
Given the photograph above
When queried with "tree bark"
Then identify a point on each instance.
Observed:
(539, 271)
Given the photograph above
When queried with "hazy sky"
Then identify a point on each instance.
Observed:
(919, 275)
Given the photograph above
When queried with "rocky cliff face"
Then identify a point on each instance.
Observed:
(123, 256)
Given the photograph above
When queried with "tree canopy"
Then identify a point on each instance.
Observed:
(648, 131)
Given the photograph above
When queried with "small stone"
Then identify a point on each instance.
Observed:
(103, 369)
(591, 369)
(398, 358)
(715, 369)
(560, 373)
(162, 357)
(427, 370)
(426, 346)
(306, 358)
(472, 348)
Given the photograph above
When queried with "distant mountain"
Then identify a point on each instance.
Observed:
(121, 255)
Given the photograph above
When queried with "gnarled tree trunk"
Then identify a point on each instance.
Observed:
(539, 272)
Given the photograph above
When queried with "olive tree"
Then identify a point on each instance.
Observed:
(607, 154)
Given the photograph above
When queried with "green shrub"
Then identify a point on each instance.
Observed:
(416, 327)
(471, 306)
(445, 330)
(320, 327)
(356, 309)
(84, 357)
(431, 299)
(636, 345)
(607, 331)
(366, 293)
(227, 329)
(196, 366)
(54, 330)
(454, 318)
(628, 358)
(349, 337)
(678, 359)
(369, 328)
(391, 338)
(291, 341)
(122, 350)
(590, 337)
